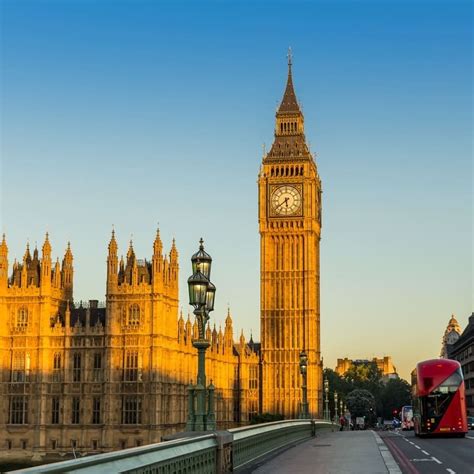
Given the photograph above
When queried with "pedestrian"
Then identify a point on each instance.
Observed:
(342, 422)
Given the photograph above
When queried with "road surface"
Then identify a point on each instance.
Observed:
(431, 455)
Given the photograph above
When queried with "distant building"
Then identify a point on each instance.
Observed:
(451, 335)
(385, 365)
(463, 351)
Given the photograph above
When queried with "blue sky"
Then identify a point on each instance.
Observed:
(134, 113)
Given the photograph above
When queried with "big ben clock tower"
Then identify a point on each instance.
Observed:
(290, 230)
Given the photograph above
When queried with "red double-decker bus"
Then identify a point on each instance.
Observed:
(439, 406)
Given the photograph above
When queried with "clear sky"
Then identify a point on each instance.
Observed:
(138, 112)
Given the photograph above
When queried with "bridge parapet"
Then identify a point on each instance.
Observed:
(206, 453)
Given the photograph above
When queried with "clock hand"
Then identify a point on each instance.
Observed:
(283, 202)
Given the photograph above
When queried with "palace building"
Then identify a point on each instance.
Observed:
(290, 231)
(88, 378)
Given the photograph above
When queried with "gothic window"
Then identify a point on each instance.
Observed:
(97, 368)
(57, 367)
(130, 366)
(96, 410)
(22, 318)
(20, 367)
(76, 410)
(253, 378)
(19, 410)
(76, 367)
(55, 410)
(131, 410)
(133, 315)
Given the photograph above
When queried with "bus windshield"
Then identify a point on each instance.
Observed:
(439, 399)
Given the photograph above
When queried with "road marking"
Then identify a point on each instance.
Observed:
(416, 446)
(436, 460)
(470, 437)
(421, 460)
(450, 471)
(424, 452)
(390, 463)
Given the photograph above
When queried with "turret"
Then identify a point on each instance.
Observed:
(242, 339)
(188, 329)
(112, 264)
(157, 262)
(174, 268)
(3, 264)
(45, 279)
(228, 331)
(181, 333)
(214, 337)
(67, 272)
(57, 275)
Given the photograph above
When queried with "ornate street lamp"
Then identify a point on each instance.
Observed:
(304, 369)
(202, 293)
(326, 399)
(335, 407)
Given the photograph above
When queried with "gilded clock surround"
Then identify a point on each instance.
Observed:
(286, 200)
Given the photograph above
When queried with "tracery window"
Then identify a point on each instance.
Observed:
(54, 410)
(57, 367)
(97, 368)
(22, 318)
(133, 315)
(130, 366)
(76, 367)
(19, 410)
(20, 367)
(131, 410)
(76, 411)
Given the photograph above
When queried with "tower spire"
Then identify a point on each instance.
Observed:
(289, 104)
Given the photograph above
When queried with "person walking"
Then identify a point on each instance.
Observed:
(342, 422)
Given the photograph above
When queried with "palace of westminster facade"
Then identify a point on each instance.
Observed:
(92, 377)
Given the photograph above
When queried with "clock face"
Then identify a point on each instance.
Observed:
(286, 200)
(452, 337)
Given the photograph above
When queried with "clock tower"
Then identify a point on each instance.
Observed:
(290, 228)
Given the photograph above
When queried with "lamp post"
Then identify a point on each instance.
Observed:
(326, 400)
(335, 406)
(201, 296)
(303, 369)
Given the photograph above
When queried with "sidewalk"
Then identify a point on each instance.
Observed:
(346, 452)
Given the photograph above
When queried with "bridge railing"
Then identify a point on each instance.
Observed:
(215, 452)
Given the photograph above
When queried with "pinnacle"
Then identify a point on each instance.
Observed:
(289, 103)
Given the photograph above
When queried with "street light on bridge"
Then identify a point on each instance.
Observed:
(303, 369)
(201, 416)
(326, 400)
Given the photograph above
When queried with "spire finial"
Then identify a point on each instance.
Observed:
(290, 57)
(201, 244)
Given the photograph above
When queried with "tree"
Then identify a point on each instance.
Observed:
(366, 377)
(395, 394)
(361, 403)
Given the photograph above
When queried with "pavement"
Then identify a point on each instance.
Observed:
(346, 452)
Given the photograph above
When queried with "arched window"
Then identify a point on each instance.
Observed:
(22, 318)
(57, 367)
(134, 315)
(57, 361)
(18, 367)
